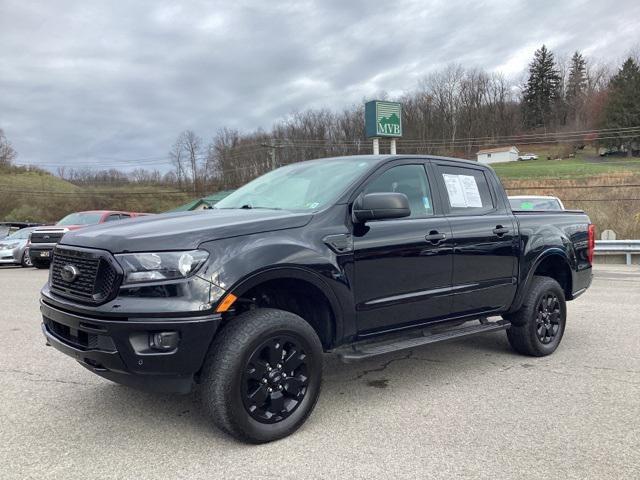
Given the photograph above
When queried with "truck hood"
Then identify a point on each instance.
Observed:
(182, 230)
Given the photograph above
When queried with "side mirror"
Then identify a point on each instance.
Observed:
(378, 206)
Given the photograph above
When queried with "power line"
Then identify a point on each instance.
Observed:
(528, 138)
(602, 200)
(94, 193)
(537, 187)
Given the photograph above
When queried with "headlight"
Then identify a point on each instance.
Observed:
(154, 267)
(9, 246)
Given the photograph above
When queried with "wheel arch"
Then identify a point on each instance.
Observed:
(553, 263)
(298, 284)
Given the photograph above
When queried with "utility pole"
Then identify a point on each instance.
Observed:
(272, 153)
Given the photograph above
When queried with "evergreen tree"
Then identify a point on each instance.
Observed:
(623, 105)
(542, 92)
(576, 88)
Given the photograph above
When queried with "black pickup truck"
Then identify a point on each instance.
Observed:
(360, 256)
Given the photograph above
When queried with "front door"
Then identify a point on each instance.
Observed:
(403, 266)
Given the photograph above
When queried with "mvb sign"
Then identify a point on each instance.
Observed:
(383, 119)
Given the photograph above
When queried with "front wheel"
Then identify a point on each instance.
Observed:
(537, 328)
(41, 264)
(262, 376)
(26, 260)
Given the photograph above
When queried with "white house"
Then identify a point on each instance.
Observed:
(498, 155)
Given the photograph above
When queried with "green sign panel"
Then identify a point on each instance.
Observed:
(383, 119)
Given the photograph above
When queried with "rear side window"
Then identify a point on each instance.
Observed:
(466, 190)
(410, 180)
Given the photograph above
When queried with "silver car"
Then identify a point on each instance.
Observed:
(14, 249)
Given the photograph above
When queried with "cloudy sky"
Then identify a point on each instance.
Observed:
(113, 82)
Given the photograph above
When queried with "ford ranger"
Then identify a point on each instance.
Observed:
(360, 256)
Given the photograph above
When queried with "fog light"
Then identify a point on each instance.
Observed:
(164, 341)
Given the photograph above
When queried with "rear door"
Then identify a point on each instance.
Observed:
(484, 234)
(403, 266)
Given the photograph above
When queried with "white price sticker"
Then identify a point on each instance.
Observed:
(463, 191)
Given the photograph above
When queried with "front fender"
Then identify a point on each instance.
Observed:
(239, 264)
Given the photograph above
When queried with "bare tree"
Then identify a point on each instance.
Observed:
(7, 152)
(192, 145)
(177, 157)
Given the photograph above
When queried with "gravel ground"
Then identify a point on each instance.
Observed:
(464, 409)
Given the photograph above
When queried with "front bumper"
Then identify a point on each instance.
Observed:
(118, 349)
(36, 251)
(10, 257)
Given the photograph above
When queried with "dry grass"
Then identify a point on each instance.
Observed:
(613, 206)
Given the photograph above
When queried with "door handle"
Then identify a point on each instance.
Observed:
(500, 230)
(435, 237)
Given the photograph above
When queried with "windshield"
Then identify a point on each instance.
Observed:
(19, 235)
(301, 186)
(81, 218)
(534, 204)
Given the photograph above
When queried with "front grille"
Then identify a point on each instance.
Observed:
(46, 237)
(96, 280)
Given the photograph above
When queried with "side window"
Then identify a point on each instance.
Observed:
(113, 217)
(466, 190)
(410, 180)
(125, 215)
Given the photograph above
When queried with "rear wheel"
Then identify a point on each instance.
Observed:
(262, 377)
(537, 328)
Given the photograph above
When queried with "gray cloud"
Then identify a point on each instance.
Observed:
(89, 82)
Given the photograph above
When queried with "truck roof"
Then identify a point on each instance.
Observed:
(376, 159)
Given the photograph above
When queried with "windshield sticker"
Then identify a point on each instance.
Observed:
(426, 203)
(526, 206)
(313, 205)
(462, 190)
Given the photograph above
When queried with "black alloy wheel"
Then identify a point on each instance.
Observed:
(548, 319)
(275, 380)
(537, 328)
(262, 376)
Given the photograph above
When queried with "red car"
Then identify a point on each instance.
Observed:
(43, 240)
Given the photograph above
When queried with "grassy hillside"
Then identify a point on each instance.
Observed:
(34, 180)
(577, 181)
(608, 202)
(41, 197)
(586, 163)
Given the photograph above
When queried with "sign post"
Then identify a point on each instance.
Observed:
(383, 119)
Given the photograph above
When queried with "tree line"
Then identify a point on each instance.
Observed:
(453, 111)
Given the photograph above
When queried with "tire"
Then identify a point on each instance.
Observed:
(239, 364)
(40, 264)
(26, 260)
(537, 328)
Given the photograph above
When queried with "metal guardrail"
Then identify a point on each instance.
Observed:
(618, 247)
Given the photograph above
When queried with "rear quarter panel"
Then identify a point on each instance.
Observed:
(561, 233)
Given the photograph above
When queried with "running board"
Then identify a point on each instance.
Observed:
(373, 349)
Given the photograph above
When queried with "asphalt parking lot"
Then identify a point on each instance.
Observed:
(464, 409)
